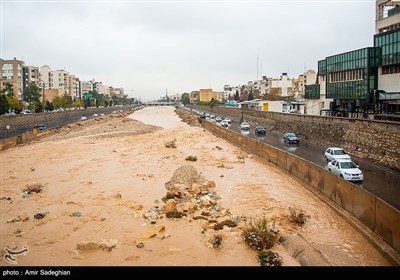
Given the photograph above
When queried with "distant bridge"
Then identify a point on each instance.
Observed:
(159, 103)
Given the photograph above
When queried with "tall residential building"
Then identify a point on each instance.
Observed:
(11, 72)
(387, 39)
(31, 74)
(60, 81)
(282, 86)
(46, 77)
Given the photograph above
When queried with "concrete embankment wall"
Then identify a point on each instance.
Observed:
(374, 213)
(377, 141)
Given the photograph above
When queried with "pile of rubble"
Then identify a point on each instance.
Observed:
(188, 117)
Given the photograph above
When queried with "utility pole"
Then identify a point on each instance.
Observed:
(257, 68)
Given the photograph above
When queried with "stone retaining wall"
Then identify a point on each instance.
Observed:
(377, 141)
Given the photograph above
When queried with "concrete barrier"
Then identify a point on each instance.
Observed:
(328, 187)
(282, 157)
(387, 223)
(364, 204)
(344, 195)
(316, 175)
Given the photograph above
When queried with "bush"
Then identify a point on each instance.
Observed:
(259, 235)
(269, 258)
(297, 215)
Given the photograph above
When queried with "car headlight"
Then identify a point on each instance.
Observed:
(347, 174)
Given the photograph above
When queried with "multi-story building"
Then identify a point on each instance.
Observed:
(282, 87)
(61, 81)
(194, 96)
(31, 74)
(11, 72)
(208, 94)
(365, 80)
(74, 87)
(46, 77)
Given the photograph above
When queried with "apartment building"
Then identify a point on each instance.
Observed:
(282, 87)
(11, 72)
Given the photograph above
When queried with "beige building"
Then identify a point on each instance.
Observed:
(207, 94)
(11, 72)
(387, 15)
(46, 76)
(194, 96)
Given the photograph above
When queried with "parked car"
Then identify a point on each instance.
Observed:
(346, 169)
(83, 118)
(244, 126)
(335, 153)
(218, 119)
(291, 138)
(259, 131)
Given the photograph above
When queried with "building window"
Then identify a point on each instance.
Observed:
(390, 69)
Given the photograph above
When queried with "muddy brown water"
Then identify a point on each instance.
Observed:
(105, 169)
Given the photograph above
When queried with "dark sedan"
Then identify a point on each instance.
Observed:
(259, 131)
(291, 138)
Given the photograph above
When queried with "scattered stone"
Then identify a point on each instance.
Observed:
(156, 201)
(191, 158)
(118, 196)
(175, 214)
(205, 213)
(199, 218)
(218, 147)
(87, 246)
(76, 214)
(170, 206)
(228, 223)
(40, 215)
(32, 168)
(6, 198)
(18, 231)
(37, 188)
(25, 195)
(20, 218)
(152, 232)
(134, 206)
(170, 144)
(108, 244)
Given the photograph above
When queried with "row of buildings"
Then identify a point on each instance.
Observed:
(363, 81)
(51, 82)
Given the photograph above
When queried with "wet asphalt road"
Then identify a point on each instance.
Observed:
(378, 180)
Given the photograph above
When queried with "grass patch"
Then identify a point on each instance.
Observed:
(269, 258)
(259, 235)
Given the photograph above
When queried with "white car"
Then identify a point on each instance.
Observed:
(245, 126)
(335, 153)
(224, 123)
(346, 169)
(228, 120)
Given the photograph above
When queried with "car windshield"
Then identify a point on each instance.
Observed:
(347, 165)
(291, 135)
(339, 152)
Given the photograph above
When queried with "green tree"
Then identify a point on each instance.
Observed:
(8, 90)
(49, 106)
(57, 102)
(237, 97)
(3, 104)
(14, 104)
(185, 99)
(250, 96)
(32, 93)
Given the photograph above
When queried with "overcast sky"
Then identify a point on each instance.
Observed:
(147, 48)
